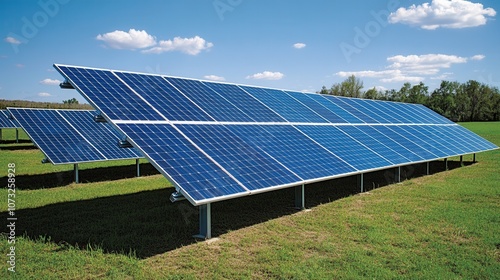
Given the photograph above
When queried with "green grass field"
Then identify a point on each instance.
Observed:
(113, 225)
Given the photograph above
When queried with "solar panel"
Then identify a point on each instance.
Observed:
(71, 136)
(5, 121)
(217, 141)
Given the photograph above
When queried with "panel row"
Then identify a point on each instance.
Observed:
(133, 96)
(212, 161)
(5, 121)
(71, 136)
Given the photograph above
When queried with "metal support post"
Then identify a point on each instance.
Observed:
(137, 167)
(428, 169)
(300, 201)
(446, 164)
(360, 182)
(474, 158)
(17, 135)
(205, 222)
(75, 168)
(461, 160)
(397, 174)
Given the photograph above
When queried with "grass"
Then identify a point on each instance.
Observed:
(442, 226)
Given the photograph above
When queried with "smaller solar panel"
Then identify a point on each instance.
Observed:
(71, 136)
(5, 121)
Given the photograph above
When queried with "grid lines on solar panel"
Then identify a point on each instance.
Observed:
(109, 95)
(191, 170)
(348, 105)
(98, 134)
(284, 105)
(55, 137)
(321, 110)
(246, 103)
(442, 135)
(5, 121)
(399, 136)
(169, 101)
(427, 142)
(402, 112)
(342, 113)
(351, 151)
(390, 142)
(374, 144)
(293, 150)
(215, 105)
(475, 140)
(374, 110)
(252, 167)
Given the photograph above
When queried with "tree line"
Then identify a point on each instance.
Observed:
(67, 104)
(459, 102)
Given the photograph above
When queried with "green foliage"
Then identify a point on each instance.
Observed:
(67, 104)
(469, 101)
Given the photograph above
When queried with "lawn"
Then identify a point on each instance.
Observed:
(113, 225)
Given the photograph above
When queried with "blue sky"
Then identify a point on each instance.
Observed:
(297, 45)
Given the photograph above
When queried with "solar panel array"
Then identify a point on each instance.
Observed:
(217, 141)
(71, 136)
(5, 121)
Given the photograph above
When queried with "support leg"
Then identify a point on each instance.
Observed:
(474, 158)
(461, 160)
(446, 164)
(205, 222)
(17, 135)
(360, 182)
(300, 201)
(397, 174)
(428, 169)
(75, 168)
(138, 168)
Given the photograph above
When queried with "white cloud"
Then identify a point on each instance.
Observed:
(44, 94)
(192, 46)
(214, 78)
(410, 68)
(131, 40)
(443, 14)
(12, 40)
(50, 82)
(267, 75)
(299, 45)
(478, 57)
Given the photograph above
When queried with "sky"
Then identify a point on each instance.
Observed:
(294, 45)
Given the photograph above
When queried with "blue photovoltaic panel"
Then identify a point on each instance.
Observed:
(182, 162)
(5, 121)
(345, 147)
(251, 166)
(71, 136)
(100, 135)
(215, 105)
(287, 107)
(294, 150)
(170, 102)
(246, 103)
(110, 94)
(55, 137)
(216, 141)
(316, 107)
(377, 146)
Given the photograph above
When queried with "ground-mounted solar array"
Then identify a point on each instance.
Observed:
(71, 136)
(216, 141)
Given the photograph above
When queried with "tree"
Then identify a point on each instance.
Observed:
(372, 94)
(350, 87)
(70, 101)
(418, 94)
(442, 99)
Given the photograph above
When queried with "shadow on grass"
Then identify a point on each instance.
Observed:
(148, 224)
(64, 178)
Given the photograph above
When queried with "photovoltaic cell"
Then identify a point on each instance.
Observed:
(5, 121)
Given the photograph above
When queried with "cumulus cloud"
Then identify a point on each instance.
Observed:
(131, 40)
(12, 40)
(443, 14)
(192, 46)
(50, 82)
(478, 57)
(410, 68)
(267, 75)
(299, 45)
(44, 94)
(214, 78)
